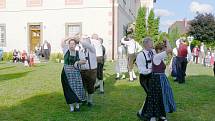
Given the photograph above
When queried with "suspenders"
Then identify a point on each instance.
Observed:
(147, 61)
(88, 57)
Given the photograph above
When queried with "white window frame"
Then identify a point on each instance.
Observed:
(72, 24)
(3, 44)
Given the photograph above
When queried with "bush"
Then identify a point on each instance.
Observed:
(195, 43)
(57, 57)
(7, 56)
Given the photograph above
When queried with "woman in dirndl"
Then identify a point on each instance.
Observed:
(162, 89)
(122, 62)
(70, 77)
(173, 64)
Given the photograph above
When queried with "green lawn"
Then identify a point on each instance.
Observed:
(35, 94)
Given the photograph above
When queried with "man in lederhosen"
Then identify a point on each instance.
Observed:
(100, 61)
(133, 48)
(89, 70)
(144, 64)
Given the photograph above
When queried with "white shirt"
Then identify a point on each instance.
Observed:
(189, 53)
(202, 48)
(133, 46)
(46, 46)
(159, 57)
(175, 52)
(121, 51)
(141, 63)
(90, 53)
(98, 46)
(177, 43)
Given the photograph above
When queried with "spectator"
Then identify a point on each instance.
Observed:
(181, 62)
(15, 56)
(196, 54)
(46, 50)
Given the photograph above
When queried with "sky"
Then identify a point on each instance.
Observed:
(170, 11)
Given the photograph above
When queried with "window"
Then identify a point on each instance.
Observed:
(125, 30)
(2, 4)
(34, 3)
(73, 29)
(2, 35)
(73, 2)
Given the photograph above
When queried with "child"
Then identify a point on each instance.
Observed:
(24, 58)
(31, 59)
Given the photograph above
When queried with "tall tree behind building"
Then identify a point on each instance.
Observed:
(140, 26)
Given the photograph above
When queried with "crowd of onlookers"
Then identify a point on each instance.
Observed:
(203, 55)
(28, 58)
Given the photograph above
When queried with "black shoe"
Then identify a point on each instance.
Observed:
(77, 110)
(135, 78)
(102, 92)
(84, 102)
(117, 78)
(96, 87)
(89, 104)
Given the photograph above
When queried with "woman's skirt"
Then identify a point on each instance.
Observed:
(153, 106)
(122, 65)
(174, 71)
(72, 85)
(167, 94)
(100, 65)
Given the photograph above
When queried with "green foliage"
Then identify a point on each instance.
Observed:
(140, 26)
(151, 29)
(173, 35)
(56, 57)
(7, 56)
(195, 43)
(203, 28)
(153, 26)
(151, 23)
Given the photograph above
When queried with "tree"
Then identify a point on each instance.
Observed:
(153, 26)
(156, 26)
(173, 35)
(203, 28)
(140, 26)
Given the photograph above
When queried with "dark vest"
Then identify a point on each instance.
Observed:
(70, 60)
(158, 68)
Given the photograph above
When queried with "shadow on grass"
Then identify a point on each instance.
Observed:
(4, 77)
(7, 67)
(119, 103)
(36, 108)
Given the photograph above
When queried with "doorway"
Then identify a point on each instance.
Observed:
(35, 36)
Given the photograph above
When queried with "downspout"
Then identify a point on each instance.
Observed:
(113, 29)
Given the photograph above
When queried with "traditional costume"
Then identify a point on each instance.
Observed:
(100, 63)
(71, 78)
(133, 48)
(89, 70)
(122, 62)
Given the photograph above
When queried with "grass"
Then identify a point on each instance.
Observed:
(35, 94)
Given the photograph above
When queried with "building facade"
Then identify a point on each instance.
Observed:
(26, 23)
(181, 26)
